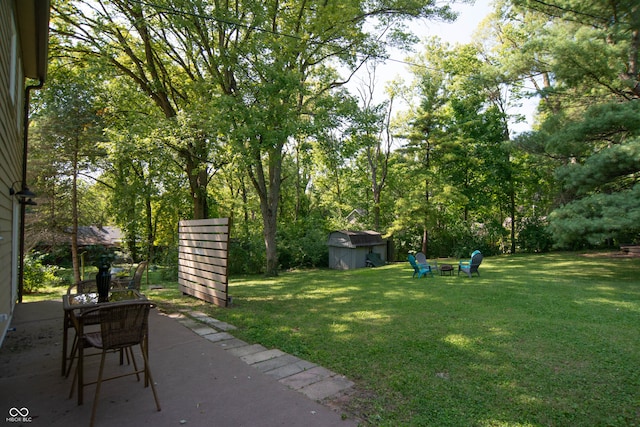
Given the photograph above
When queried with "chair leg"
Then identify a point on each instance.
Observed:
(74, 355)
(144, 347)
(129, 351)
(98, 384)
(65, 337)
(73, 382)
(74, 350)
(149, 378)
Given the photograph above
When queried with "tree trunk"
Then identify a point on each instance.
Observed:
(512, 196)
(376, 210)
(298, 181)
(245, 208)
(149, 215)
(425, 240)
(268, 189)
(425, 230)
(198, 179)
(74, 215)
(270, 242)
(271, 211)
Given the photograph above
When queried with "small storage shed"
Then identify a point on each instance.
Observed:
(349, 249)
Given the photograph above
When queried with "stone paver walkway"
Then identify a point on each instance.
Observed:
(314, 381)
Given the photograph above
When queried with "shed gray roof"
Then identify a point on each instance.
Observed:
(350, 238)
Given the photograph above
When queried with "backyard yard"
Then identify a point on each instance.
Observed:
(536, 340)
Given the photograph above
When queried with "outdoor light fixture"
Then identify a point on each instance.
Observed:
(21, 194)
(28, 202)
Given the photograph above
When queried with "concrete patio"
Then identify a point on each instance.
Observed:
(204, 377)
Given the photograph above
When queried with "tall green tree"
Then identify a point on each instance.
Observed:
(370, 129)
(135, 40)
(587, 124)
(259, 66)
(290, 74)
(424, 133)
(459, 133)
(68, 134)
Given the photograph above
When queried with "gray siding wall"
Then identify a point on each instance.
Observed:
(11, 107)
(341, 258)
(350, 258)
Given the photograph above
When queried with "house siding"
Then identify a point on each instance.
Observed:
(10, 157)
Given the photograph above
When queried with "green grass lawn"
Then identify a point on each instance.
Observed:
(543, 340)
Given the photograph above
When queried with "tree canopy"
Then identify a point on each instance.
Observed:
(196, 108)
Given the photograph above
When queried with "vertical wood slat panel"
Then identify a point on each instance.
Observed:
(202, 259)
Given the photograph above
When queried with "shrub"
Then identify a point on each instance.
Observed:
(534, 236)
(303, 244)
(246, 255)
(168, 257)
(38, 275)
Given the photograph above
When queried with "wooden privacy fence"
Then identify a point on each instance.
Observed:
(202, 259)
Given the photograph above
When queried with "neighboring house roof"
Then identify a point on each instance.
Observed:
(105, 236)
(353, 239)
(355, 215)
(87, 236)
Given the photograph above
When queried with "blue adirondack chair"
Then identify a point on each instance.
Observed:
(418, 269)
(471, 266)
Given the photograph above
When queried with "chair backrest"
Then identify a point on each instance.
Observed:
(421, 258)
(137, 276)
(375, 259)
(412, 261)
(476, 260)
(124, 324)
